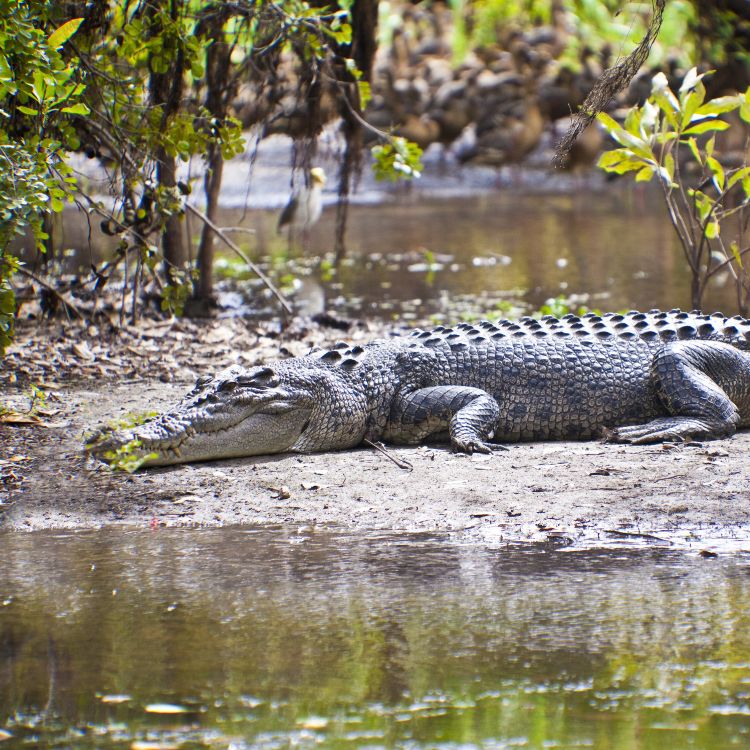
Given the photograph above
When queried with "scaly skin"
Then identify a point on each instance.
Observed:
(640, 377)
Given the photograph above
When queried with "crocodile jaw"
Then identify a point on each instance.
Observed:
(259, 433)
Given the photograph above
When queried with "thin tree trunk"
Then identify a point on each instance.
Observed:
(220, 91)
(362, 50)
(172, 245)
(48, 227)
(696, 292)
(212, 184)
(165, 89)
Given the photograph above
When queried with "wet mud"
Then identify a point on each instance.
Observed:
(589, 493)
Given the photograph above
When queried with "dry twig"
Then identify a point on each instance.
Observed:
(382, 449)
(252, 266)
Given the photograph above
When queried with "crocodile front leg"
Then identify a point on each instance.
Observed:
(469, 415)
(704, 386)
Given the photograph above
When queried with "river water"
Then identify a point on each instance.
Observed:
(273, 638)
(610, 248)
(416, 256)
(460, 242)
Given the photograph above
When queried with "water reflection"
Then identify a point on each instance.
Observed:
(613, 248)
(271, 638)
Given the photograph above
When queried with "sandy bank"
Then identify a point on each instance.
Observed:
(583, 492)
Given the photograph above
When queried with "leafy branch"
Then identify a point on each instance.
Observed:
(40, 96)
(672, 138)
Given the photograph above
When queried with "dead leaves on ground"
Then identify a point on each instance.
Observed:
(38, 412)
(156, 348)
(11, 476)
(7, 416)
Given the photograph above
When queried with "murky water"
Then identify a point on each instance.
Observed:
(610, 249)
(411, 256)
(270, 639)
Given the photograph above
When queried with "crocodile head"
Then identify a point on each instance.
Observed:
(238, 412)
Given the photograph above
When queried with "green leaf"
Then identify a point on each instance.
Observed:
(703, 204)
(712, 230)
(737, 175)
(718, 106)
(27, 110)
(651, 122)
(669, 166)
(718, 172)
(6, 74)
(646, 174)
(638, 146)
(77, 109)
(58, 37)
(352, 69)
(666, 136)
(610, 158)
(736, 253)
(660, 85)
(365, 93)
(397, 159)
(342, 35)
(7, 303)
(633, 121)
(40, 85)
(691, 79)
(693, 144)
(692, 102)
(706, 126)
(609, 123)
(620, 161)
(669, 105)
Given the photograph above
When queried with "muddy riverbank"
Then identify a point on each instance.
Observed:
(696, 495)
(87, 372)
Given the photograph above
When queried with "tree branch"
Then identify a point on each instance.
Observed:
(610, 83)
(31, 275)
(252, 266)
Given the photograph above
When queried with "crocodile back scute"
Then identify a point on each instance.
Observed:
(654, 325)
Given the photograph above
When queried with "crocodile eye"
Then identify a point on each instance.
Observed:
(226, 385)
(200, 384)
(263, 377)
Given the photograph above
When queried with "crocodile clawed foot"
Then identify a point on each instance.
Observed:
(475, 446)
(640, 435)
(669, 429)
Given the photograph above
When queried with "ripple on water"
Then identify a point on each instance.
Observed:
(236, 638)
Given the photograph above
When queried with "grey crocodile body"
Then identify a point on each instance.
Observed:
(638, 377)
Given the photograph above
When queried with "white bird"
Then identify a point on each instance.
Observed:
(306, 204)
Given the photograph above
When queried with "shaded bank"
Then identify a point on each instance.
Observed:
(538, 491)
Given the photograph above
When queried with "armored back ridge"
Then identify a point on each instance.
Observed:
(635, 377)
(654, 325)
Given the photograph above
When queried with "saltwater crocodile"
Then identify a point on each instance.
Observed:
(635, 378)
